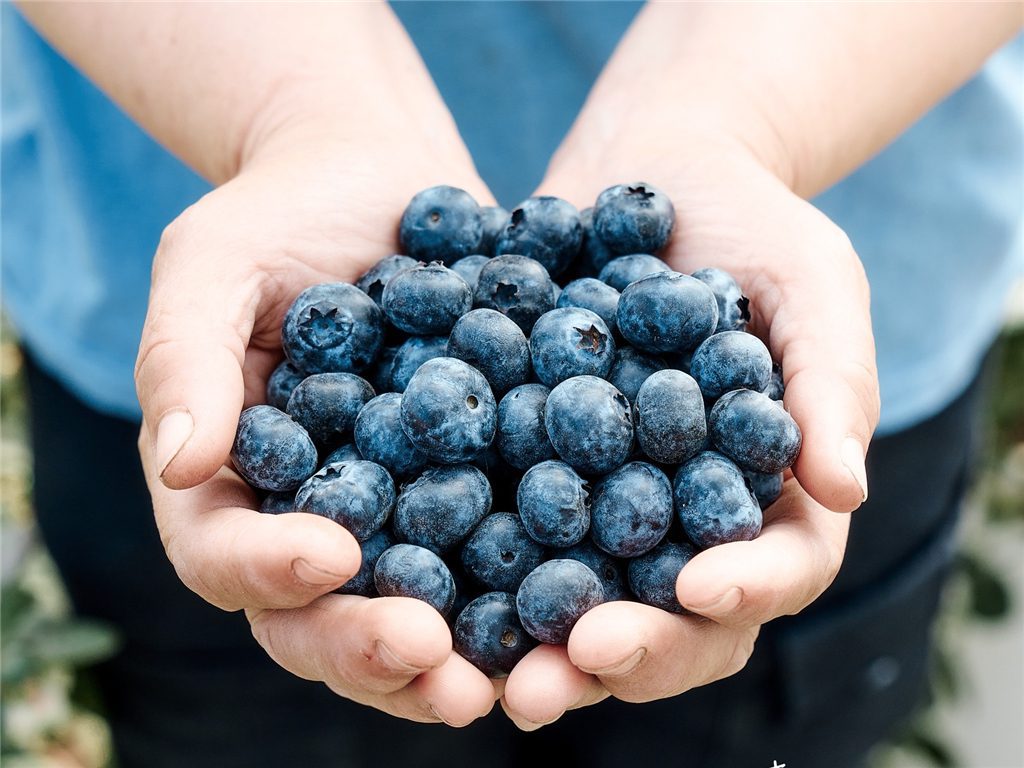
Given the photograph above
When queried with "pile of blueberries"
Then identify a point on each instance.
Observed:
(450, 382)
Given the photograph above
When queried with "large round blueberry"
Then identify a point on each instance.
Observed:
(515, 286)
(426, 300)
(554, 505)
(714, 503)
(499, 553)
(448, 411)
(620, 272)
(376, 277)
(731, 360)
(594, 254)
(271, 451)
(571, 342)
(371, 549)
(332, 327)
(413, 353)
(379, 437)
(631, 510)
(493, 218)
(546, 229)
(631, 370)
(522, 437)
(494, 345)
(733, 306)
(489, 635)
(278, 503)
(590, 424)
(406, 570)
(634, 218)
(609, 570)
(590, 293)
(346, 452)
(282, 381)
(766, 487)
(357, 494)
(670, 422)
(652, 576)
(468, 268)
(442, 506)
(554, 596)
(754, 431)
(441, 224)
(327, 404)
(667, 312)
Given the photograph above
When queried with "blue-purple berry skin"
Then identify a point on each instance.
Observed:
(590, 424)
(546, 229)
(271, 451)
(570, 342)
(609, 570)
(776, 388)
(621, 271)
(280, 384)
(521, 435)
(554, 596)
(667, 312)
(631, 510)
(670, 421)
(413, 353)
(733, 306)
(379, 374)
(358, 495)
(594, 254)
(345, 452)
(376, 277)
(468, 268)
(371, 550)
(493, 218)
(494, 345)
(326, 405)
(652, 576)
(332, 327)
(406, 570)
(516, 286)
(426, 300)
(440, 508)
(278, 503)
(634, 218)
(590, 293)
(379, 437)
(441, 223)
(766, 487)
(499, 553)
(490, 636)
(731, 360)
(754, 431)
(714, 503)
(631, 370)
(554, 504)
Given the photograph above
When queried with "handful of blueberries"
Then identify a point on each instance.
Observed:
(448, 383)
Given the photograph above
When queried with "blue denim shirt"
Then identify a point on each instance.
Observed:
(936, 217)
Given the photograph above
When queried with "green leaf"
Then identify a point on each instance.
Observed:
(77, 642)
(930, 747)
(15, 603)
(989, 594)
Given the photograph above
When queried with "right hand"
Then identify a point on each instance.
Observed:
(308, 208)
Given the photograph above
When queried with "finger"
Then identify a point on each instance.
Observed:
(641, 653)
(235, 557)
(544, 685)
(457, 693)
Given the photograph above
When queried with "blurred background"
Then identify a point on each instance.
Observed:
(50, 715)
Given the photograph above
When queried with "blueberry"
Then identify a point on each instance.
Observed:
(590, 424)
(594, 254)
(278, 503)
(634, 218)
(731, 360)
(608, 569)
(359, 495)
(326, 405)
(590, 293)
(346, 452)
(271, 451)
(713, 501)
(468, 268)
(413, 353)
(766, 487)
(376, 277)
(332, 327)
(371, 549)
(499, 553)
(776, 388)
(546, 229)
(489, 635)
(448, 411)
(631, 510)
(515, 286)
(493, 218)
(554, 596)
(442, 506)
(631, 370)
(733, 306)
(379, 374)
(280, 384)
(406, 570)
(570, 342)
(667, 312)
(441, 224)
(379, 437)
(754, 431)
(620, 272)
(670, 422)
(494, 345)
(465, 591)
(553, 503)
(522, 437)
(426, 300)
(652, 577)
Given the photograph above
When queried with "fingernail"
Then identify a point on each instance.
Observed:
(314, 576)
(726, 603)
(173, 431)
(851, 453)
(396, 663)
(623, 667)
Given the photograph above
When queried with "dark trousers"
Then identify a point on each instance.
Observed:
(192, 688)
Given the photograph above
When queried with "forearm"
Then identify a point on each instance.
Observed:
(813, 89)
(212, 81)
